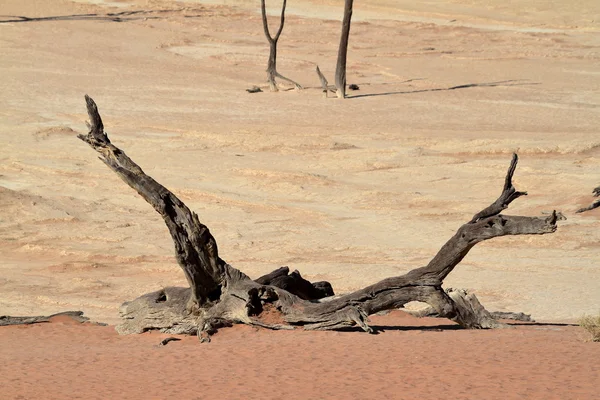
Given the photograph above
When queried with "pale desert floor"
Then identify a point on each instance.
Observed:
(349, 191)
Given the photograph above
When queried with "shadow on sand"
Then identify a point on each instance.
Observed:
(123, 16)
(511, 82)
(377, 329)
(443, 327)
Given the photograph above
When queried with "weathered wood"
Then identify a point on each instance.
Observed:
(222, 295)
(168, 340)
(254, 89)
(470, 312)
(164, 310)
(462, 296)
(324, 82)
(508, 195)
(340, 70)
(514, 316)
(272, 62)
(594, 205)
(6, 320)
(268, 278)
(295, 284)
(195, 247)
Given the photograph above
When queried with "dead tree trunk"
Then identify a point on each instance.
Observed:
(220, 295)
(340, 70)
(272, 63)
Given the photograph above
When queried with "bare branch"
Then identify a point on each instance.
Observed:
(422, 283)
(264, 21)
(95, 124)
(324, 82)
(594, 205)
(196, 249)
(282, 21)
(508, 195)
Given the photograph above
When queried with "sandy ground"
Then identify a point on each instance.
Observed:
(413, 358)
(347, 191)
(350, 191)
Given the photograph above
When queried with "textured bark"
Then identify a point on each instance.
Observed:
(220, 295)
(340, 70)
(296, 284)
(195, 247)
(514, 316)
(470, 301)
(476, 315)
(595, 204)
(272, 62)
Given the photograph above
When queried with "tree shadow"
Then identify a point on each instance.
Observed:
(377, 329)
(122, 16)
(540, 324)
(510, 82)
(423, 328)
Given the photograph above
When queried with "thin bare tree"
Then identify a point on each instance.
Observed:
(272, 63)
(220, 295)
(340, 70)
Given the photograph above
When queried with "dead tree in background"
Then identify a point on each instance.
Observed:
(220, 295)
(340, 69)
(595, 204)
(272, 63)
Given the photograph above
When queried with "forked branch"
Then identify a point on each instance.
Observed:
(272, 62)
(508, 195)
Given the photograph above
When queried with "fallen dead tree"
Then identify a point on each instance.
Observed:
(221, 295)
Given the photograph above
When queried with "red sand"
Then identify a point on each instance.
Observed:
(414, 358)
